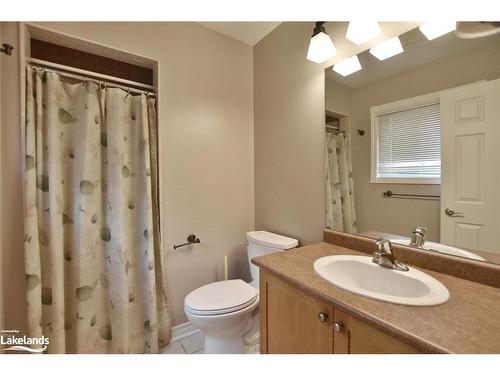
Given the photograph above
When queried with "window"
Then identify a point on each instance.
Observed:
(406, 141)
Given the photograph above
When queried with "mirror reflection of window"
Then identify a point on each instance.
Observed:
(406, 143)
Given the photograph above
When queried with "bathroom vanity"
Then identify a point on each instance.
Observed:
(293, 321)
(302, 313)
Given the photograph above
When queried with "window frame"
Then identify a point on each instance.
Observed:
(384, 109)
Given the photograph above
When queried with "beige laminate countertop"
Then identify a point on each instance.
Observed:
(469, 322)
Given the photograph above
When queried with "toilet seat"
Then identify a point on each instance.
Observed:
(222, 297)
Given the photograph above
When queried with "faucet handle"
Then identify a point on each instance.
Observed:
(420, 230)
(384, 246)
(385, 258)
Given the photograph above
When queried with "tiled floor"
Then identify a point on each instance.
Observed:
(195, 342)
(192, 344)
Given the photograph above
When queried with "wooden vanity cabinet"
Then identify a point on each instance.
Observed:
(357, 337)
(294, 322)
(290, 321)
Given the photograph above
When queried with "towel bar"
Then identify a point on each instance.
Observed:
(191, 239)
(390, 194)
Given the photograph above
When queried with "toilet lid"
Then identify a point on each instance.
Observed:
(220, 297)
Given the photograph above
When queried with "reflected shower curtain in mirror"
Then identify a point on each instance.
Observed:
(340, 208)
(94, 271)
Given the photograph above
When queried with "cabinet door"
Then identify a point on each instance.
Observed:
(355, 337)
(291, 321)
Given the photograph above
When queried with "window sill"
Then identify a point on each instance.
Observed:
(406, 181)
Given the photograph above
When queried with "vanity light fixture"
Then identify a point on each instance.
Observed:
(359, 32)
(321, 47)
(347, 66)
(433, 30)
(389, 48)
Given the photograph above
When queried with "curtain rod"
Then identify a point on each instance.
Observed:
(330, 128)
(87, 75)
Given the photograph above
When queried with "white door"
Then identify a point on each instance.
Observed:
(470, 172)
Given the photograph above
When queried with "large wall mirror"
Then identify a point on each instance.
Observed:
(413, 144)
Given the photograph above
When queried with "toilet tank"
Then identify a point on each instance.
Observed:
(265, 243)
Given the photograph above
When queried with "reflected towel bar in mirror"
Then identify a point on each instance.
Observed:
(390, 194)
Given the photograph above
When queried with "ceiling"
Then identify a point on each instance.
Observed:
(417, 51)
(247, 32)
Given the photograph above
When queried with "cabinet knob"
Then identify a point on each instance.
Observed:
(338, 326)
(323, 317)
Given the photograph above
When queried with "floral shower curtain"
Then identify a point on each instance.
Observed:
(340, 208)
(94, 271)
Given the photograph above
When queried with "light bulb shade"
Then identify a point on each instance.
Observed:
(359, 32)
(321, 48)
(433, 30)
(389, 48)
(347, 66)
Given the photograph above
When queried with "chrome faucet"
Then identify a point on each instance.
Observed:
(418, 237)
(385, 258)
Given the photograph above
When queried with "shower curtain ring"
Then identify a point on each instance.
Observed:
(128, 93)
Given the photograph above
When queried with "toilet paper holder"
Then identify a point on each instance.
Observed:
(191, 239)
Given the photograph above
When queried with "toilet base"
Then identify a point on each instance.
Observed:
(223, 345)
(224, 333)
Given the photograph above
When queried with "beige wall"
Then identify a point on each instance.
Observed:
(338, 98)
(12, 231)
(398, 215)
(206, 132)
(289, 141)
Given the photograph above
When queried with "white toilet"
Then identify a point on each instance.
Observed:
(223, 310)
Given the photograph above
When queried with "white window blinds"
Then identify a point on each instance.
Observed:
(409, 144)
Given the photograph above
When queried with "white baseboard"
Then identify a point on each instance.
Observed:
(183, 330)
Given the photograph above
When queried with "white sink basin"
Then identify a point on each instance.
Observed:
(440, 248)
(358, 274)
